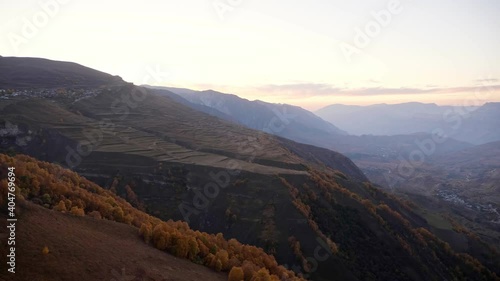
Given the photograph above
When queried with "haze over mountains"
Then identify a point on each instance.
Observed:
(473, 124)
(300, 124)
(309, 207)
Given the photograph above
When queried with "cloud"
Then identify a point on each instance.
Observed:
(301, 89)
(487, 80)
(318, 89)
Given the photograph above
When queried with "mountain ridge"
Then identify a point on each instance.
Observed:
(25, 72)
(473, 124)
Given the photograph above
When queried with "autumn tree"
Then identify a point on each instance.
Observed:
(77, 211)
(118, 214)
(60, 207)
(261, 275)
(204, 251)
(146, 231)
(236, 274)
(193, 248)
(249, 269)
(182, 248)
(223, 256)
(218, 265)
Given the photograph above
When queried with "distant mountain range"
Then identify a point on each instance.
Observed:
(474, 124)
(298, 124)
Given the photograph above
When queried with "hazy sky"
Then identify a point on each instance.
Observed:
(308, 53)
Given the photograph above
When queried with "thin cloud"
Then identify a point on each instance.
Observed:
(318, 89)
(302, 89)
(487, 80)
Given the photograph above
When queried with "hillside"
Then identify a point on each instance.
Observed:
(83, 239)
(463, 184)
(174, 162)
(64, 191)
(89, 249)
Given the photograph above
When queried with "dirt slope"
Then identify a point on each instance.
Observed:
(83, 248)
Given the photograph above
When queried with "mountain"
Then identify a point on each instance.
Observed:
(307, 129)
(383, 119)
(309, 207)
(21, 73)
(473, 124)
(283, 120)
(480, 126)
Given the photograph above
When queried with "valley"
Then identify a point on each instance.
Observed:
(422, 161)
(309, 207)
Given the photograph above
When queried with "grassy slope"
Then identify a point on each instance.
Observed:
(84, 248)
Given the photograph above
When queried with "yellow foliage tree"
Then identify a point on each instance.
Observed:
(223, 257)
(193, 248)
(77, 211)
(182, 247)
(249, 269)
(218, 265)
(61, 207)
(236, 274)
(146, 231)
(118, 214)
(261, 275)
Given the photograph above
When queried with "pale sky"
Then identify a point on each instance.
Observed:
(306, 53)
